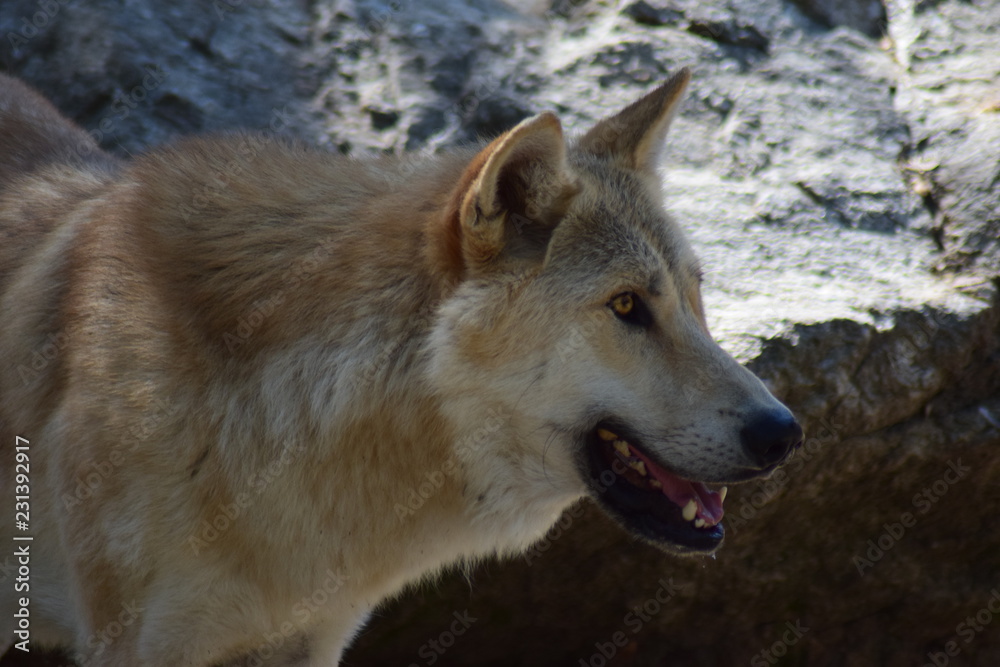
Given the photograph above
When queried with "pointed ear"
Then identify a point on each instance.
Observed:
(634, 136)
(512, 195)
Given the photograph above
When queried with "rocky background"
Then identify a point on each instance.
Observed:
(837, 164)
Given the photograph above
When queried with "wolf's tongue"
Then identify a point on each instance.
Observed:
(681, 492)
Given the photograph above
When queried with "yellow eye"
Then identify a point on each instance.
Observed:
(629, 308)
(623, 304)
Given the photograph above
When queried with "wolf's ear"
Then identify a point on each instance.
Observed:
(634, 136)
(510, 198)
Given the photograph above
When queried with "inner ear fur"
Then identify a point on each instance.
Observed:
(513, 194)
(634, 136)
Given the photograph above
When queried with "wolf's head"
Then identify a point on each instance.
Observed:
(578, 320)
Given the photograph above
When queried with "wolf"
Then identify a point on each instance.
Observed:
(258, 389)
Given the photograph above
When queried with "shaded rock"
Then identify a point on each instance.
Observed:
(866, 16)
(383, 120)
(730, 32)
(489, 116)
(426, 125)
(628, 63)
(646, 14)
(146, 74)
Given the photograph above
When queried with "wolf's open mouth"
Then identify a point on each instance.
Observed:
(647, 499)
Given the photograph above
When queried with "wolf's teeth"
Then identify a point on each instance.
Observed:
(699, 523)
(655, 483)
(605, 434)
(638, 466)
(722, 494)
(690, 510)
(622, 448)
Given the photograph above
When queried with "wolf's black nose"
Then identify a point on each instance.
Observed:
(770, 436)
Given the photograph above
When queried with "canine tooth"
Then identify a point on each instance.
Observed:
(622, 448)
(699, 523)
(690, 510)
(605, 434)
(638, 466)
(655, 483)
(722, 494)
